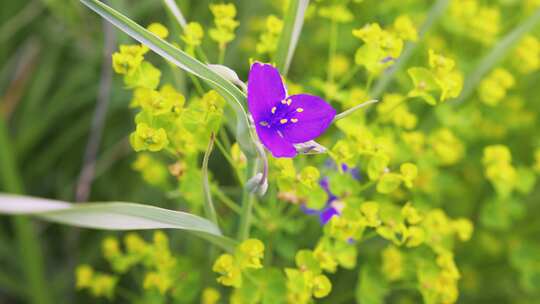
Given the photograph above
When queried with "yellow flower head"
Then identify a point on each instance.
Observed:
(111, 248)
(84, 275)
(159, 30)
(250, 253)
(392, 263)
(230, 273)
(147, 138)
(405, 28)
(160, 281)
(321, 286)
(193, 34)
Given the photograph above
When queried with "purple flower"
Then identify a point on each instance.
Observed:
(333, 206)
(280, 120)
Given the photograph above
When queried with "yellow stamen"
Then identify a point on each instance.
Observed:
(294, 119)
(283, 101)
(263, 123)
(283, 121)
(299, 110)
(289, 102)
(273, 110)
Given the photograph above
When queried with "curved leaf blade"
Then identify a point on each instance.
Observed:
(294, 20)
(112, 216)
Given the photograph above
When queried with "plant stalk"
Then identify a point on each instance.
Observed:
(29, 249)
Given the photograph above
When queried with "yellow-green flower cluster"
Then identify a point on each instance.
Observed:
(494, 87)
(405, 227)
(148, 138)
(225, 23)
(99, 284)
(438, 83)
(128, 59)
(248, 255)
(298, 187)
(392, 263)
(166, 121)
(439, 282)
(382, 47)
(446, 146)
(161, 270)
(192, 36)
(306, 281)
(338, 13)
(394, 109)
(472, 19)
(526, 56)
(159, 30)
(498, 169)
(268, 40)
(210, 296)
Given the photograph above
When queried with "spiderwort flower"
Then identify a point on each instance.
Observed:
(280, 120)
(334, 205)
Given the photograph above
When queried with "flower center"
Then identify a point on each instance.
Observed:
(283, 114)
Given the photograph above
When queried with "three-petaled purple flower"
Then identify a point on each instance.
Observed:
(281, 120)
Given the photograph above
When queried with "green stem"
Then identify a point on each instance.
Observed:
(229, 160)
(248, 199)
(221, 56)
(225, 139)
(227, 201)
(197, 84)
(354, 109)
(349, 76)
(369, 83)
(208, 203)
(332, 51)
(29, 249)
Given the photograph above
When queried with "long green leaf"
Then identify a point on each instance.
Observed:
(231, 93)
(112, 216)
(29, 253)
(294, 20)
(497, 53)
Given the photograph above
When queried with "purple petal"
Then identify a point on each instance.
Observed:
(273, 141)
(313, 118)
(355, 173)
(325, 183)
(308, 210)
(265, 90)
(327, 214)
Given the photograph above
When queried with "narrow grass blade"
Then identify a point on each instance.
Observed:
(499, 51)
(112, 216)
(177, 13)
(294, 20)
(28, 251)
